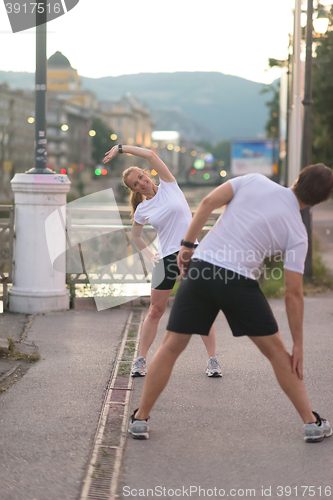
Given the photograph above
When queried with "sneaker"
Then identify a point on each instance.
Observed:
(140, 367)
(139, 429)
(317, 431)
(213, 368)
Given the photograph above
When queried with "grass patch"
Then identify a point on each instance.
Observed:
(124, 369)
(175, 288)
(14, 354)
(273, 286)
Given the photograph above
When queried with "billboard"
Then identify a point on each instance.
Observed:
(254, 156)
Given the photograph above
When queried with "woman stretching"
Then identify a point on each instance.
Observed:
(166, 209)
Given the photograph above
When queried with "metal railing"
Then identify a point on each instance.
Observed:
(6, 250)
(106, 251)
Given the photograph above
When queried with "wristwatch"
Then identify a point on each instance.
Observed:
(187, 244)
(120, 148)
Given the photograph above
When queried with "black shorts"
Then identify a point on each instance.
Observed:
(165, 273)
(207, 289)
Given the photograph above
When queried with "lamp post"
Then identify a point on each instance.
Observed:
(307, 121)
(40, 92)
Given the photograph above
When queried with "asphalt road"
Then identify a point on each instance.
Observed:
(240, 432)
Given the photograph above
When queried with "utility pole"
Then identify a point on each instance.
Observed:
(40, 92)
(307, 131)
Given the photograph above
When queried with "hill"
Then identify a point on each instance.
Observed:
(202, 105)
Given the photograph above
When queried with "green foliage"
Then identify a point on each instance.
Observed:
(101, 142)
(272, 125)
(323, 99)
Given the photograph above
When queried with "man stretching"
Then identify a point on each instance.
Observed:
(261, 219)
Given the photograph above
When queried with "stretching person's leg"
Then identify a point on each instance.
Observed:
(160, 370)
(315, 428)
(274, 349)
(213, 368)
(158, 303)
(210, 342)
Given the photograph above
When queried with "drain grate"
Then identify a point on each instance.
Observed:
(101, 480)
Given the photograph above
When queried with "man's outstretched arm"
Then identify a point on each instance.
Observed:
(295, 309)
(219, 197)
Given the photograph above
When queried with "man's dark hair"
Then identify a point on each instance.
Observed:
(314, 184)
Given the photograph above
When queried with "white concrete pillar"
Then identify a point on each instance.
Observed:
(37, 287)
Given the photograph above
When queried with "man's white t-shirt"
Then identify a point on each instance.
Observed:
(262, 219)
(170, 215)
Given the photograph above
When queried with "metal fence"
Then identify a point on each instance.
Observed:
(108, 252)
(6, 250)
(103, 251)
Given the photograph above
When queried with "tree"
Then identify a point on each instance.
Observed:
(101, 142)
(322, 112)
(272, 125)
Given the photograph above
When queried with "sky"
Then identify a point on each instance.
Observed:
(116, 37)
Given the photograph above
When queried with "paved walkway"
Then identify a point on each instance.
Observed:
(48, 419)
(240, 432)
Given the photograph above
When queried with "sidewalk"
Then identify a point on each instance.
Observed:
(48, 419)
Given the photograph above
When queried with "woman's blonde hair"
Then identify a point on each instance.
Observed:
(135, 198)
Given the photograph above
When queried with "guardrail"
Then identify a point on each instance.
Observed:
(106, 251)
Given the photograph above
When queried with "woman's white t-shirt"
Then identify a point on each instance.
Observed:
(263, 219)
(169, 214)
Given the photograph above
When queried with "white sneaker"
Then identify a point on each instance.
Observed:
(317, 431)
(140, 367)
(139, 429)
(213, 368)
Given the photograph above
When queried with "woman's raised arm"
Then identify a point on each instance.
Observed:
(155, 162)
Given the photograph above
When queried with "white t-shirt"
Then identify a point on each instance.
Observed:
(262, 219)
(169, 213)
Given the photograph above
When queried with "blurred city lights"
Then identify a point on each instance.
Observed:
(31, 119)
(177, 149)
(193, 171)
(183, 150)
(206, 176)
(130, 140)
(98, 171)
(104, 171)
(63, 171)
(199, 164)
(92, 133)
(155, 145)
(203, 156)
(223, 173)
(64, 127)
(70, 170)
(221, 163)
(170, 147)
(193, 152)
(114, 137)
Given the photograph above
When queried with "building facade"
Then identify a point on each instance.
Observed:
(17, 134)
(130, 120)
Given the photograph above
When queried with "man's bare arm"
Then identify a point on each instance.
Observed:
(295, 310)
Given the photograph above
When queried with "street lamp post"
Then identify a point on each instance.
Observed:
(40, 93)
(307, 131)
